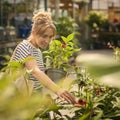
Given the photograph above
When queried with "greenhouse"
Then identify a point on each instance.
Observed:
(60, 59)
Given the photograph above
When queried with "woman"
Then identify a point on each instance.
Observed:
(42, 32)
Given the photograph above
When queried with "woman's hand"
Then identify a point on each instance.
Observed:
(66, 95)
(47, 82)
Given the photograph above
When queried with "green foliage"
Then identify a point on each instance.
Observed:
(96, 20)
(15, 106)
(96, 88)
(65, 26)
(97, 96)
(94, 100)
(59, 52)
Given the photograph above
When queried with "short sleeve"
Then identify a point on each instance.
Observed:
(22, 51)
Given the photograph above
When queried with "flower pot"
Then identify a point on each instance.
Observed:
(55, 74)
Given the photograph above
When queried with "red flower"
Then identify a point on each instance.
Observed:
(80, 102)
(98, 91)
(63, 45)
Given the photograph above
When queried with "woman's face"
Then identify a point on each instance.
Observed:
(42, 41)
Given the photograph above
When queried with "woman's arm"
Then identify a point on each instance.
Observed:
(47, 82)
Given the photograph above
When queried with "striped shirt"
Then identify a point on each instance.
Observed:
(23, 50)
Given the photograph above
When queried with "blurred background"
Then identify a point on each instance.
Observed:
(96, 23)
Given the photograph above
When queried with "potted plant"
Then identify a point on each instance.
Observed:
(96, 20)
(58, 55)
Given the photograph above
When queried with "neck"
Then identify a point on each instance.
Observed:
(31, 40)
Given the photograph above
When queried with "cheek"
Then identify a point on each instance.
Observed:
(39, 40)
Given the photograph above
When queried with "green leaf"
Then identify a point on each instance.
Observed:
(28, 59)
(64, 39)
(70, 37)
(85, 116)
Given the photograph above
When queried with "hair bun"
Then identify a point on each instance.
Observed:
(41, 16)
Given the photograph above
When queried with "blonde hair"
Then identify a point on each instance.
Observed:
(42, 21)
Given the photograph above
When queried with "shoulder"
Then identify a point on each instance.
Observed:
(24, 45)
(22, 50)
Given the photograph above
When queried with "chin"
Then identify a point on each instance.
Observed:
(43, 47)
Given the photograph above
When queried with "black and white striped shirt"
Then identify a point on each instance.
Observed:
(23, 50)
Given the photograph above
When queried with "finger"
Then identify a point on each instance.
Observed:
(71, 98)
(68, 97)
(63, 97)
